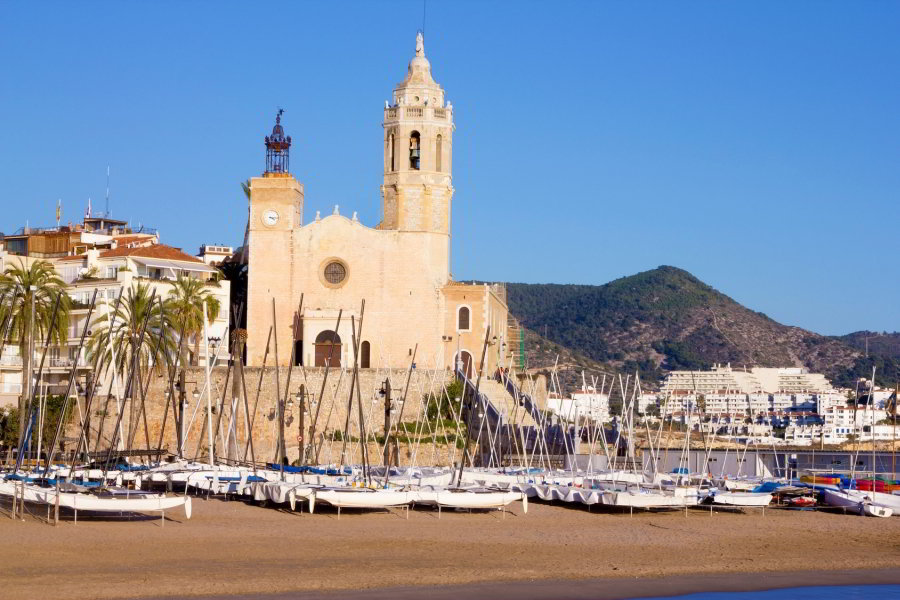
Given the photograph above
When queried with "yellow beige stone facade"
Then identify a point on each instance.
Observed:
(400, 267)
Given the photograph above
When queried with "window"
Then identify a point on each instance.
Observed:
(17, 246)
(462, 319)
(414, 150)
(111, 272)
(438, 150)
(391, 151)
(365, 352)
(335, 272)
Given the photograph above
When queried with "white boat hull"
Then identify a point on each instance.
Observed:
(471, 499)
(363, 498)
(645, 499)
(117, 503)
(742, 499)
(856, 501)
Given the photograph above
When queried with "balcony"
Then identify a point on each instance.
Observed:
(66, 363)
(11, 361)
(393, 113)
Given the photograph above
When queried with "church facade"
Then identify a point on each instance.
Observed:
(309, 279)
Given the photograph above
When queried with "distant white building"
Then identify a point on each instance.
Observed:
(645, 401)
(214, 255)
(725, 379)
(750, 405)
(586, 403)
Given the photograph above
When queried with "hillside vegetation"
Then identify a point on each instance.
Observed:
(666, 319)
(879, 344)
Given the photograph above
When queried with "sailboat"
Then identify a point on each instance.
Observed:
(109, 500)
(856, 500)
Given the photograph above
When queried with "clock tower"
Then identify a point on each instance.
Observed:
(276, 210)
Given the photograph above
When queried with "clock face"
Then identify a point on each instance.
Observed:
(270, 217)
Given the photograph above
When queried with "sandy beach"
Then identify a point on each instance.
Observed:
(233, 548)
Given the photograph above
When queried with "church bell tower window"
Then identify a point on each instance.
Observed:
(391, 150)
(438, 150)
(414, 150)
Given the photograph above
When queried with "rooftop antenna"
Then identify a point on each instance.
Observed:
(106, 214)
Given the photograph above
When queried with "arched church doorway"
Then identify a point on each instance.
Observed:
(328, 349)
(466, 363)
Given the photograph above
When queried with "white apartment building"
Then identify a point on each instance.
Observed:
(748, 404)
(645, 401)
(586, 403)
(215, 254)
(118, 263)
(725, 379)
(840, 422)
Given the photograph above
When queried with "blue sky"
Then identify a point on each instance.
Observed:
(755, 144)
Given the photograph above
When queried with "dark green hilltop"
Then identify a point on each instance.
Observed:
(666, 319)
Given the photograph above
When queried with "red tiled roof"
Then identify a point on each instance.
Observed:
(73, 257)
(154, 251)
(122, 240)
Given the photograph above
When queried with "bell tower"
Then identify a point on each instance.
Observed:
(276, 210)
(418, 152)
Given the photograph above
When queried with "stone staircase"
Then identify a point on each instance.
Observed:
(505, 404)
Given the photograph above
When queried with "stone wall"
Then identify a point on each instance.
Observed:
(332, 412)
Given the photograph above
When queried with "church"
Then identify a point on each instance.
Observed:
(400, 267)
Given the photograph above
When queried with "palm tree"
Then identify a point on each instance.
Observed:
(19, 287)
(185, 303)
(245, 186)
(123, 323)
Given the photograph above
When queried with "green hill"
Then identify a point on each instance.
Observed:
(872, 342)
(667, 319)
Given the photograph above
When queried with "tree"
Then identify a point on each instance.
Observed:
(185, 303)
(123, 323)
(9, 427)
(245, 186)
(19, 287)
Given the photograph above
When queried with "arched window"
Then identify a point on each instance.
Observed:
(438, 151)
(365, 352)
(462, 319)
(414, 150)
(391, 151)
